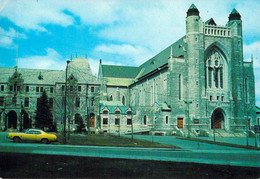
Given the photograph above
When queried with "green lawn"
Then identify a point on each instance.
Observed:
(111, 140)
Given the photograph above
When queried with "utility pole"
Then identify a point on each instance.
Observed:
(188, 115)
(65, 105)
(132, 128)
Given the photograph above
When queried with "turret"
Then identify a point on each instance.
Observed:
(192, 19)
(234, 15)
(193, 11)
(235, 22)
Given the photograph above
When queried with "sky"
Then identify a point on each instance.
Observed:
(120, 32)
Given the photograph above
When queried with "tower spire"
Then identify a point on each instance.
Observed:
(252, 58)
(193, 11)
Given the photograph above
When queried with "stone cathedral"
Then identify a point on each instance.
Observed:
(198, 84)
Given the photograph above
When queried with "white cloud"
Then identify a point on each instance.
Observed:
(253, 49)
(94, 64)
(52, 60)
(32, 14)
(131, 53)
(7, 37)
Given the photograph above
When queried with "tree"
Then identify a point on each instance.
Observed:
(44, 118)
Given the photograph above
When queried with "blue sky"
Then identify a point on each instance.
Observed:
(119, 32)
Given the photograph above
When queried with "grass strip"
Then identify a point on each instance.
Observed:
(220, 143)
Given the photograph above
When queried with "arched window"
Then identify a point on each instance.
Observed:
(214, 69)
(123, 100)
(145, 120)
(111, 98)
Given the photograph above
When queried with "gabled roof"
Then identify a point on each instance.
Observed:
(164, 106)
(210, 22)
(162, 58)
(113, 105)
(119, 71)
(159, 60)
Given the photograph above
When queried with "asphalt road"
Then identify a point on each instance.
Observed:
(193, 152)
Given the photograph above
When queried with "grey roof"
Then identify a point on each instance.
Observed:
(119, 71)
(162, 57)
(79, 68)
(112, 105)
(155, 62)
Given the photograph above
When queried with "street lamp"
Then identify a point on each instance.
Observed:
(188, 111)
(65, 105)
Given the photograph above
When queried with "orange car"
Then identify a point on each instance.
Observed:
(33, 135)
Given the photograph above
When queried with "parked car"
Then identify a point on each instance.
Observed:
(33, 135)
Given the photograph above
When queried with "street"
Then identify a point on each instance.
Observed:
(194, 152)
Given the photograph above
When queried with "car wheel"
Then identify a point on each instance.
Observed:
(16, 139)
(45, 141)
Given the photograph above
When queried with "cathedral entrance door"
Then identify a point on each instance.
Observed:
(217, 119)
(12, 120)
(92, 120)
(180, 122)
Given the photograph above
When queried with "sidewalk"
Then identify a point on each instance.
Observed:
(239, 142)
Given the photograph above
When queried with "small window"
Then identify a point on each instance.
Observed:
(41, 89)
(111, 98)
(51, 102)
(105, 112)
(117, 121)
(2, 87)
(129, 121)
(26, 102)
(123, 100)
(217, 98)
(51, 89)
(27, 88)
(92, 89)
(210, 98)
(71, 88)
(105, 121)
(79, 88)
(197, 83)
(11, 88)
(2, 101)
(145, 120)
(77, 102)
(166, 120)
(222, 98)
(18, 88)
(63, 88)
(37, 89)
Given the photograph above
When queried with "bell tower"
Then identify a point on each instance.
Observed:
(194, 58)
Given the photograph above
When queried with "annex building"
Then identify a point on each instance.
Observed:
(200, 83)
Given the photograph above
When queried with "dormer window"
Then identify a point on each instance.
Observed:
(40, 77)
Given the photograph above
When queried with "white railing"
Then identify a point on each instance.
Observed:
(219, 31)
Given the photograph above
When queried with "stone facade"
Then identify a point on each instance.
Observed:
(20, 89)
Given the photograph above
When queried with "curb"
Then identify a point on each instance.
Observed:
(220, 143)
